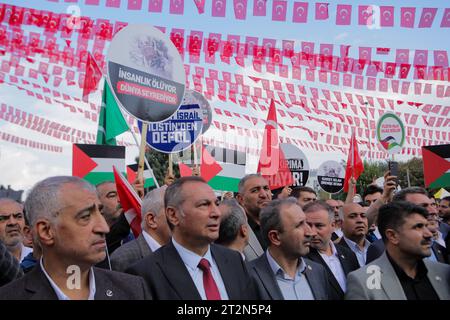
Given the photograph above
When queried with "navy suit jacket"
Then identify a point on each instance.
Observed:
(349, 263)
(110, 285)
(168, 278)
(267, 286)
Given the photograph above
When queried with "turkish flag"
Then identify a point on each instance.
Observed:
(272, 164)
(354, 163)
(343, 14)
(259, 8)
(300, 12)
(407, 17)
(92, 76)
(386, 16)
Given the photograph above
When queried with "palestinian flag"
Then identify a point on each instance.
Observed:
(233, 168)
(436, 165)
(94, 162)
(132, 174)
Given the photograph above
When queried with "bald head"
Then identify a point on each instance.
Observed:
(355, 224)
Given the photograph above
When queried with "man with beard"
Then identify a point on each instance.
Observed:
(337, 260)
(12, 223)
(282, 273)
(401, 273)
(253, 195)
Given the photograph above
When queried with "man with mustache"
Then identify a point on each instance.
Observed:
(418, 196)
(282, 273)
(354, 227)
(12, 223)
(337, 260)
(401, 273)
(66, 222)
(253, 195)
(191, 266)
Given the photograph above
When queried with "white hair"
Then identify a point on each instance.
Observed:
(153, 202)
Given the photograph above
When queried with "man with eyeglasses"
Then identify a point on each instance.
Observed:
(12, 222)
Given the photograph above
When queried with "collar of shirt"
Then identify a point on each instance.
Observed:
(277, 270)
(152, 243)
(354, 245)
(420, 274)
(334, 252)
(24, 252)
(191, 259)
(60, 294)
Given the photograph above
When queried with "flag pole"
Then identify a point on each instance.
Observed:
(137, 143)
(170, 164)
(140, 172)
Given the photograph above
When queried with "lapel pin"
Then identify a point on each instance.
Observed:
(342, 256)
(438, 278)
(309, 267)
(109, 293)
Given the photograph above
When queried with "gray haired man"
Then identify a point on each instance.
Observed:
(155, 232)
(66, 222)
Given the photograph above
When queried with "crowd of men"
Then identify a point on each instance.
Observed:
(71, 240)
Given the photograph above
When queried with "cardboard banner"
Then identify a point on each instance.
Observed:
(330, 176)
(178, 133)
(391, 133)
(146, 73)
(297, 162)
(194, 97)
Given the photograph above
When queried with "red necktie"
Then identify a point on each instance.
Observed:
(211, 290)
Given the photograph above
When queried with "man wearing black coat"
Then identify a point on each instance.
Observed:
(337, 260)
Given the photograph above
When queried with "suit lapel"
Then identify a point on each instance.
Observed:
(345, 260)
(226, 272)
(267, 277)
(144, 249)
(389, 280)
(313, 281)
(103, 286)
(38, 284)
(176, 273)
(315, 256)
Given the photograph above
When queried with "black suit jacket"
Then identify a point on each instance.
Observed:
(375, 250)
(110, 285)
(267, 287)
(349, 263)
(168, 279)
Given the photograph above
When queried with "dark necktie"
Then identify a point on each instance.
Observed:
(211, 290)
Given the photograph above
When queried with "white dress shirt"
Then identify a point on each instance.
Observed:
(191, 261)
(335, 266)
(24, 252)
(152, 243)
(361, 255)
(58, 291)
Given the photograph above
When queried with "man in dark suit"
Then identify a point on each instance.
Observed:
(337, 260)
(355, 230)
(64, 213)
(282, 272)
(155, 232)
(9, 266)
(253, 195)
(191, 266)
